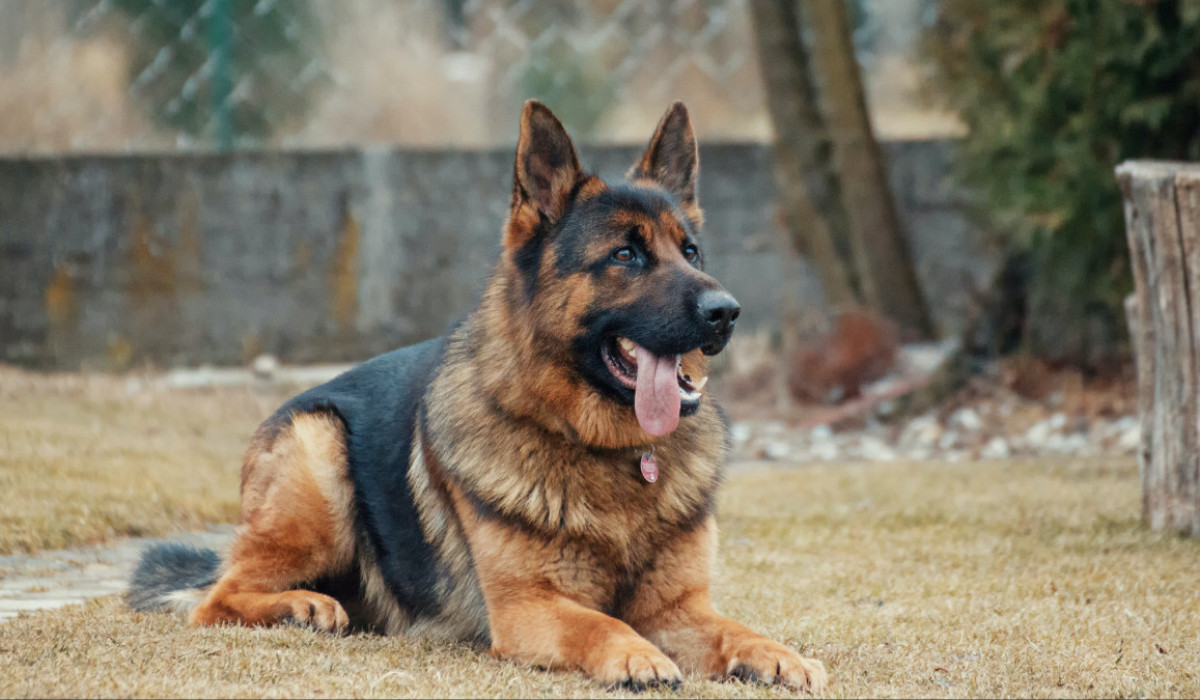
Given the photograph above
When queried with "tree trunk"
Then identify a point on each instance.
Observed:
(801, 146)
(887, 279)
(1162, 223)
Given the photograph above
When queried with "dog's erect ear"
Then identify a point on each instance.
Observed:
(545, 173)
(671, 160)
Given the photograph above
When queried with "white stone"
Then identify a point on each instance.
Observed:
(827, 451)
(922, 431)
(1125, 423)
(265, 366)
(1054, 442)
(821, 433)
(1064, 444)
(1131, 438)
(874, 449)
(1076, 443)
(775, 449)
(740, 432)
(1038, 433)
(996, 448)
(967, 419)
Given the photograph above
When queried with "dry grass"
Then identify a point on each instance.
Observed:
(85, 458)
(1023, 578)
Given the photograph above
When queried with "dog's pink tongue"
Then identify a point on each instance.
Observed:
(656, 399)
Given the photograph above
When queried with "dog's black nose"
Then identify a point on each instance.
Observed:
(719, 311)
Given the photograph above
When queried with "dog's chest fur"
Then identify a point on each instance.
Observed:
(595, 522)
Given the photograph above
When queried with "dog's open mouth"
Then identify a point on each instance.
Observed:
(661, 389)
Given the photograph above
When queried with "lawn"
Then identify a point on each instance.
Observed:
(85, 458)
(1004, 578)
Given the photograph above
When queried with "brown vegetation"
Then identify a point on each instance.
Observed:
(861, 348)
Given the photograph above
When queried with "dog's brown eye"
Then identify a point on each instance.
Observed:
(623, 254)
(691, 252)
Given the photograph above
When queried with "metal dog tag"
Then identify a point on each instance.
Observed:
(649, 467)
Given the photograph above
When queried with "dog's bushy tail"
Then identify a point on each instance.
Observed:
(172, 577)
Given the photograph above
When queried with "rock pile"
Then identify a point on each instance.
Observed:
(998, 416)
(968, 433)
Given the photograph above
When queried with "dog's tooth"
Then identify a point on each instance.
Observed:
(626, 344)
(699, 383)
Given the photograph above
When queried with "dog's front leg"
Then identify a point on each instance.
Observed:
(547, 629)
(542, 610)
(672, 608)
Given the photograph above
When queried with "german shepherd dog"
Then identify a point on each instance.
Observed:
(541, 480)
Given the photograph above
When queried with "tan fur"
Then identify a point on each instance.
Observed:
(389, 617)
(526, 480)
(294, 524)
(529, 578)
(582, 532)
(463, 613)
(673, 610)
(518, 369)
(567, 524)
(540, 186)
(590, 188)
(653, 170)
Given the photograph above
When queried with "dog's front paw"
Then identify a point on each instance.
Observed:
(315, 610)
(637, 666)
(765, 661)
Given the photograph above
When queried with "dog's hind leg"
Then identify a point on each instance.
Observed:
(295, 525)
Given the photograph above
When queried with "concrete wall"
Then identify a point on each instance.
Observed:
(108, 261)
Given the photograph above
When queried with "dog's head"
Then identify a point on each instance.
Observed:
(612, 275)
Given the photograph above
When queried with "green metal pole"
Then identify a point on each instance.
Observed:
(220, 44)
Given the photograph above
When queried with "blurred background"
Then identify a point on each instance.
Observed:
(905, 188)
(207, 206)
(202, 75)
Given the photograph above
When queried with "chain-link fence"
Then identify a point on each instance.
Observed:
(104, 75)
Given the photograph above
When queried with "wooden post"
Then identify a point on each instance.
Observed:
(1162, 222)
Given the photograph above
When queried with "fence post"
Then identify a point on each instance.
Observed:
(220, 44)
(1162, 223)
